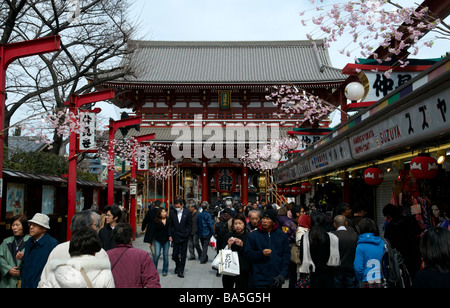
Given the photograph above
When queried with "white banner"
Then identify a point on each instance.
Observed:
(88, 127)
(142, 158)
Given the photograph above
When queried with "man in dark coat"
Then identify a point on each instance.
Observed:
(268, 252)
(180, 222)
(37, 250)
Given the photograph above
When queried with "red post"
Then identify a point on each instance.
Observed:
(76, 102)
(205, 182)
(113, 126)
(133, 181)
(8, 54)
(244, 185)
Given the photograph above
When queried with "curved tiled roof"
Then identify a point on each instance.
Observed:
(258, 62)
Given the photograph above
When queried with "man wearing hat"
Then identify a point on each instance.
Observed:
(268, 252)
(37, 250)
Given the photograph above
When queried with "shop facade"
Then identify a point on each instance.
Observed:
(411, 121)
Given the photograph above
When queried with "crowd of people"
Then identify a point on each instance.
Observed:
(300, 245)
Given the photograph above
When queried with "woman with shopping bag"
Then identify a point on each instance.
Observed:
(235, 248)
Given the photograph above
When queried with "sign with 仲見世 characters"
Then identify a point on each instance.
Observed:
(88, 131)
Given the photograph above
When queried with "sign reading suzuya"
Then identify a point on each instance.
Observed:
(88, 126)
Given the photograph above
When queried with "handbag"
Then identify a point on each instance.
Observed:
(229, 264)
(295, 254)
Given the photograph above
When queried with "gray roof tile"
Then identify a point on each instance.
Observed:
(264, 62)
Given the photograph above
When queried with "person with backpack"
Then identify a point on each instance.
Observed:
(369, 255)
(205, 226)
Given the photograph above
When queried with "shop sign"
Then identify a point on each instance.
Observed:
(426, 119)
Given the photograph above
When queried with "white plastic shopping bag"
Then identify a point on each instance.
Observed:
(229, 264)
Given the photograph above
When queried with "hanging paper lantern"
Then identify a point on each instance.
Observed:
(295, 191)
(373, 176)
(424, 167)
(280, 190)
(287, 191)
(305, 188)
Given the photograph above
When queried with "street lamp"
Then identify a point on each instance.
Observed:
(354, 91)
(8, 54)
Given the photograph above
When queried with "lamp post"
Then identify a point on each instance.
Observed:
(133, 181)
(113, 126)
(8, 54)
(76, 102)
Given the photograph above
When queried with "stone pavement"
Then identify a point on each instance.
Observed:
(196, 275)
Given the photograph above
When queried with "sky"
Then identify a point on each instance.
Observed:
(238, 20)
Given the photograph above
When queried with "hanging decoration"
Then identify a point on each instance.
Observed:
(373, 176)
(225, 180)
(295, 191)
(305, 188)
(424, 167)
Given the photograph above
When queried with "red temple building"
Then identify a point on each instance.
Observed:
(206, 101)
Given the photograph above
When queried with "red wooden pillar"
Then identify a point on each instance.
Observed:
(244, 185)
(205, 182)
(8, 54)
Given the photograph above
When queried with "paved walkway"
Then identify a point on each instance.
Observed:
(196, 275)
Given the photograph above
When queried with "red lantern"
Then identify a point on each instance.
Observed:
(373, 176)
(225, 180)
(295, 191)
(280, 191)
(305, 188)
(287, 191)
(424, 167)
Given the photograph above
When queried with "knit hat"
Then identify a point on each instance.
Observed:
(270, 213)
(304, 221)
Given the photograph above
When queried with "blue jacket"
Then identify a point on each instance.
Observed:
(35, 258)
(265, 269)
(369, 252)
(205, 224)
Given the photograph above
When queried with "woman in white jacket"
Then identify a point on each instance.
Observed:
(82, 270)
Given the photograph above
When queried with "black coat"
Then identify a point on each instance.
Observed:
(179, 231)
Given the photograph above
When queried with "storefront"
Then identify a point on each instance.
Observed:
(410, 121)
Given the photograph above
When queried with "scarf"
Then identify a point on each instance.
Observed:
(308, 264)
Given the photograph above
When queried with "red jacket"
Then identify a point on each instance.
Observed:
(135, 269)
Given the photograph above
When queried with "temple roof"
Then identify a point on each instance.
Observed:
(257, 62)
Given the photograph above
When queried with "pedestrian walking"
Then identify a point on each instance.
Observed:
(344, 274)
(435, 251)
(268, 252)
(319, 253)
(403, 233)
(82, 269)
(131, 267)
(180, 225)
(37, 250)
(113, 215)
(205, 226)
(148, 221)
(9, 265)
(157, 235)
(80, 220)
(236, 241)
(369, 254)
(194, 241)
